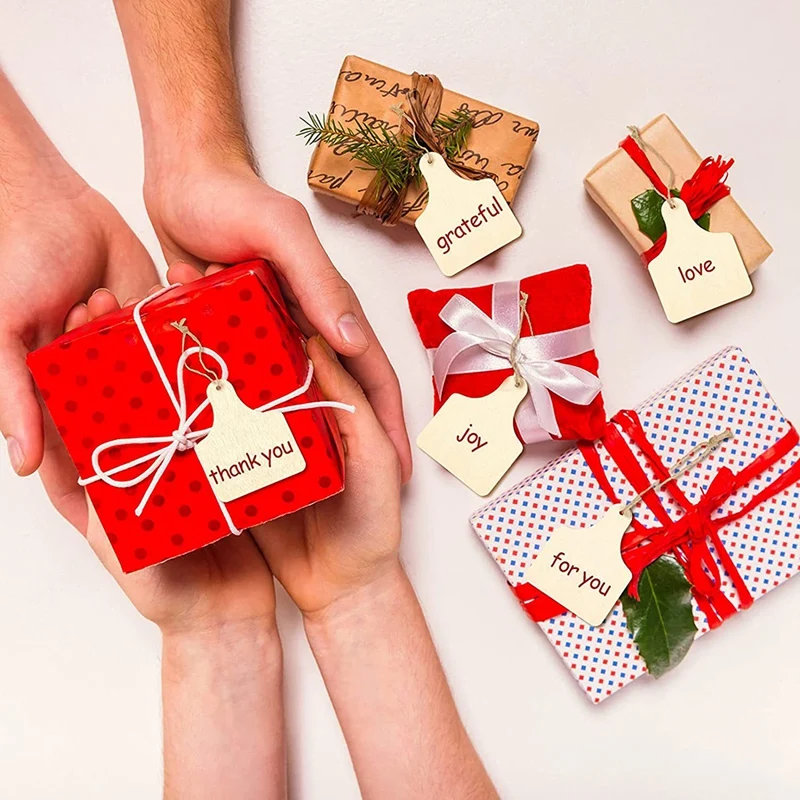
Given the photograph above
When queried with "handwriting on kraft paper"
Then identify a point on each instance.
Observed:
(251, 462)
(472, 438)
(587, 581)
(467, 226)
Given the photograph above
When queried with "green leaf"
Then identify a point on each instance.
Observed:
(661, 620)
(647, 210)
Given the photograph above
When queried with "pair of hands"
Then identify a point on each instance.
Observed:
(61, 241)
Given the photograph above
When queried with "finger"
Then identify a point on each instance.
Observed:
(377, 378)
(102, 302)
(324, 295)
(331, 307)
(20, 413)
(78, 315)
(60, 479)
(295, 309)
(183, 272)
(131, 301)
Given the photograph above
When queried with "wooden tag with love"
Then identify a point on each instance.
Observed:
(697, 270)
(474, 438)
(464, 220)
(582, 568)
(245, 450)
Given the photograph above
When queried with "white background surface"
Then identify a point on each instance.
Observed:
(79, 671)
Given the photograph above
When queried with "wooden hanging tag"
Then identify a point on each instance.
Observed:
(474, 438)
(464, 220)
(697, 270)
(582, 568)
(245, 450)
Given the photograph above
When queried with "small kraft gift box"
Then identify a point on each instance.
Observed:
(142, 399)
(624, 185)
(709, 542)
(376, 97)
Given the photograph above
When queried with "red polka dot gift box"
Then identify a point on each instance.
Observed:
(731, 523)
(131, 396)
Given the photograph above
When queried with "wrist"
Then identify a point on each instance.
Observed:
(353, 611)
(31, 166)
(233, 648)
(191, 147)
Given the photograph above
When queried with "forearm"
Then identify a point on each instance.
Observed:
(183, 72)
(28, 159)
(223, 714)
(391, 696)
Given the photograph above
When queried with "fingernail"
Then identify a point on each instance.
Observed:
(352, 332)
(15, 454)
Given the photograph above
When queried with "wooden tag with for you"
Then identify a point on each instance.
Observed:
(464, 220)
(697, 271)
(582, 568)
(245, 450)
(474, 438)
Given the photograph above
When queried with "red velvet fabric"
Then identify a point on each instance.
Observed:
(557, 300)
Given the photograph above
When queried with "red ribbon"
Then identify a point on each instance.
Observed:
(705, 188)
(689, 539)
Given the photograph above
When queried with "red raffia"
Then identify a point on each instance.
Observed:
(705, 188)
(689, 539)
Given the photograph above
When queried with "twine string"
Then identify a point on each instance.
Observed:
(689, 461)
(514, 356)
(183, 438)
(208, 372)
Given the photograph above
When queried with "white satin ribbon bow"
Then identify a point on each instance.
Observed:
(482, 344)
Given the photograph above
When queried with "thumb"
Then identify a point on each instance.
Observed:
(20, 414)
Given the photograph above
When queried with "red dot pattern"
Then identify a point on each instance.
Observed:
(98, 389)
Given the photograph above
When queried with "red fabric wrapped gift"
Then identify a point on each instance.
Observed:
(542, 322)
(101, 383)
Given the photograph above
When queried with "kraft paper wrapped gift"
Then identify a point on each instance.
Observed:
(616, 180)
(725, 392)
(500, 142)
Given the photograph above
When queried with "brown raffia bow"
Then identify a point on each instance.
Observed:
(423, 107)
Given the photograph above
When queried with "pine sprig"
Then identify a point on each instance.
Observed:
(395, 158)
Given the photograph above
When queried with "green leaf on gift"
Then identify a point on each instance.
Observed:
(647, 210)
(661, 620)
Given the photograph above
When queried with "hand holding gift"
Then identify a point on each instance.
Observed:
(59, 241)
(218, 211)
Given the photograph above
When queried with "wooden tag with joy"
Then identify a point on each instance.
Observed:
(245, 450)
(464, 220)
(582, 568)
(697, 270)
(474, 438)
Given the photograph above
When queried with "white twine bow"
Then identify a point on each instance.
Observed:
(482, 344)
(182, 438)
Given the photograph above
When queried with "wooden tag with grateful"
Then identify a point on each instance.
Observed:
(464, 220)
(697, 270)
(474, 438)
